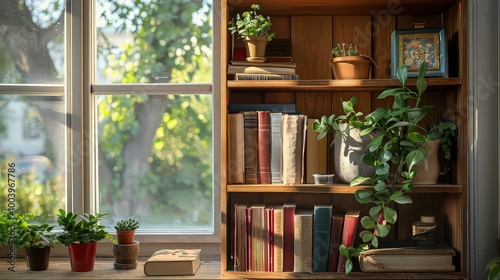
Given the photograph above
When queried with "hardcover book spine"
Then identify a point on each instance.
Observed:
(242, 76)
(303, 233)
(348, 235)
(337, 225)
(275, 148)
(278, 238)
(292, 146)
(240, 237)
(288, 236)
(235, 151)
(251, 147)
(316, 151)
(321, 237)
(264, 148)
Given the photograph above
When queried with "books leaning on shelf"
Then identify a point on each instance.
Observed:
(403, 256)
(173, 262)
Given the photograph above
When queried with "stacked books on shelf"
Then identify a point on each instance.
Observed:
(243, 70)
(271, 147)
(284, 238)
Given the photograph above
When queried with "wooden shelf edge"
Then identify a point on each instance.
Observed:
(334, 275)
(338, 188)
(338, 85)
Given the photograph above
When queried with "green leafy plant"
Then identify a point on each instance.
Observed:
(395, 149)
(4, 227)
(86, 229)
(129, 224)
(339, 51)
(493, 269)
(250, 23)
(32, 235)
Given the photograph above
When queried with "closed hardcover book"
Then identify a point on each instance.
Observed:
(348, 234)
(403, 256)
(278, 238)
(303, 232)
(288, 235)
(337, 225)
(293, 148)
(251, 147)
(236, 149)
(322, 217)
(240, 237)
(264, 64)
(264, 147)
(233, 69)
(246, 77)
(258, 237)
(173, 262)
(275, 158)
(316, 151)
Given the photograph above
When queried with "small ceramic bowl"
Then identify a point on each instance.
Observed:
(323, 179)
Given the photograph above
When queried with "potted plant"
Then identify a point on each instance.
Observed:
(393, 152)
(126, 249)
(347, 64)
(4, 227)
(493, 269)
(37, 239)
(81, 238)
(255, 29)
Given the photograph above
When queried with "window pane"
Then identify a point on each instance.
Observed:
(32, 42)
(154, 41)
(155, 160)
(32, 154)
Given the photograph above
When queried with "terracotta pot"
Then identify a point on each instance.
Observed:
(125, 236)
(37, 258)
(428, 168)
(256, 48)
(351, 67)
(82, 256)
(126, 255)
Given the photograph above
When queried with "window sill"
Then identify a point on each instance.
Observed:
(103, 269)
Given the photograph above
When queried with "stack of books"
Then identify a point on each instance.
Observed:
(244, 70)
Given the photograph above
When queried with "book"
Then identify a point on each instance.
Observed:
(269, 237)
(278, 238)
(264, 147)
(316, 151)
(288, 235)
(264, 64)
(236, 149)
(243, 77)
(233, 69)
(293, 129)
(251, 149)
(276, 157)
(337, 225)
(273, 108)
(173, 262)
(403, 256)
(240, 237)
(351, 218)
(322, 218)
(258, 237)
(302, 247)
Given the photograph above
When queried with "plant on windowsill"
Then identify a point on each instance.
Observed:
(37, 239)
(347, 64)
(126, 249)
(255, 29)
(393, 152)
(80, 234)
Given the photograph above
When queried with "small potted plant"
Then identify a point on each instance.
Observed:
(126, 249)
(347, 64)
(37, 239)
(80, 234)
(255, 29)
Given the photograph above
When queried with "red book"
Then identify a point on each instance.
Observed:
(264, 139)
(348, 234)
(288, 235)
(335, 240)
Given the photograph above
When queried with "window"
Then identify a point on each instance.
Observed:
(122, 117)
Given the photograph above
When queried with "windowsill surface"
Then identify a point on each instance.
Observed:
(103, 269)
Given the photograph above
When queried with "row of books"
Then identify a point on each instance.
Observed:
(278, 238)
(267, 147)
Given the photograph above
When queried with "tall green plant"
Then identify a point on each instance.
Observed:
(83, 230)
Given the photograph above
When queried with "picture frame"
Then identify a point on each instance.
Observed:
(412, 46)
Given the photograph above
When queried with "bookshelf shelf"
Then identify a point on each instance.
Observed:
(354, 275)
(338, 85)
(334, 189)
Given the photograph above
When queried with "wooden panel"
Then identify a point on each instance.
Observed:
(281, 25)
(383, 26)
(354, 30)
(432, 21)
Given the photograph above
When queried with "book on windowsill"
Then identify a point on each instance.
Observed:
(404, 256)
(260, 77)
(173, 262)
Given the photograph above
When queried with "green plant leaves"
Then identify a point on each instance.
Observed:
(390, 215)
(402, 74)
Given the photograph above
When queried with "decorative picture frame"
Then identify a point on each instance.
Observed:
(413, 46)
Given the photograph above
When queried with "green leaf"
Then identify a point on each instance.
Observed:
(421, 86)
(390, 92)
(422, 69)
(380, 186)
(390, 215)
(403, 200)
(367, 237)
(375, 212)
(416, 137)
(373, 146)
(368, 223)
(368, 159)
(364, 199)
(383, 230)
(402, 74)
(414, 157)
(382, 169)
(366, 131)
(375, 242)
(344, 251)
(395, 195)
(359, 180)
(348, 266)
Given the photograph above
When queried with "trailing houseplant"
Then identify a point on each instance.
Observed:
(126, 249)
(80, 234)
(255, 29)
(393, 152)
(347, 64)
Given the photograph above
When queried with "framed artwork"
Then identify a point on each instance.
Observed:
(413, 46)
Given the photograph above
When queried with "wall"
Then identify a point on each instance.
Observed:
(483, 127)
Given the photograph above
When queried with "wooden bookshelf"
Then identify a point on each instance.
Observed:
(314, 27)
